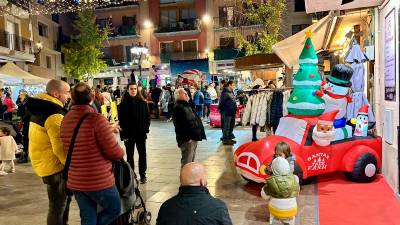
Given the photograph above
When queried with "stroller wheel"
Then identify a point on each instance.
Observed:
(147, 217)
(138, 216)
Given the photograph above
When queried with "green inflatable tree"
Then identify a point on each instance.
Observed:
(307, 80)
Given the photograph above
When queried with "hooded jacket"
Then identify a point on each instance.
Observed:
(45, 145)
(282, 184)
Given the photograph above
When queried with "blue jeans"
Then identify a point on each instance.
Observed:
(108, 199)
(227, 123)
(199, 110)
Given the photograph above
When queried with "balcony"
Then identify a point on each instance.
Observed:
(166, 57)
(183, 27)
(227, 53)
(234, 22)
(122, 32)
(15, 42)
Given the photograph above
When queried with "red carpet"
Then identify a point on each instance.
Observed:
(342, 202)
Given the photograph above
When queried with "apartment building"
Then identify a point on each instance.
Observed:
(182, 30)
(30, 42)
(45, 30)
(16, 40)
(126, 22)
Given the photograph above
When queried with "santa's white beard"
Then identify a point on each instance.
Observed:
(321, 138)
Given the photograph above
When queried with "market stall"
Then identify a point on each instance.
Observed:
(16, 79)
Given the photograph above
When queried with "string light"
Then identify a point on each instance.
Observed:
(48, 7)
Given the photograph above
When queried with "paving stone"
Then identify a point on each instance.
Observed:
(23, 197)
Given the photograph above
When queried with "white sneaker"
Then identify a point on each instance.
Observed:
(12, 170)
(2, 173)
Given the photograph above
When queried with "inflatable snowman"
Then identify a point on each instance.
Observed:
(336, 96)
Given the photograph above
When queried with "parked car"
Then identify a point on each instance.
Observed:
(359, 157)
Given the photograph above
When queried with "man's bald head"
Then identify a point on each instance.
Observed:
(193, 174)
(59, 90)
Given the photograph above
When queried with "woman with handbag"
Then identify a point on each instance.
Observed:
(134, 119)
(92, 148)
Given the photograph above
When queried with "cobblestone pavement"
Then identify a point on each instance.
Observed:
(23, 198)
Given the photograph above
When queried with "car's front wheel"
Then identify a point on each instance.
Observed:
(365, 168)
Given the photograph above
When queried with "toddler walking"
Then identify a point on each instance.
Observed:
(8, 147)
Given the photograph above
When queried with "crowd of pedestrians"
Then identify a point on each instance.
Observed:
(72, 145)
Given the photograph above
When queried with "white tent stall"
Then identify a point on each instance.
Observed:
(16, 78)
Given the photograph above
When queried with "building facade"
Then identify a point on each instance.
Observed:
(386, 82)
(182, 30)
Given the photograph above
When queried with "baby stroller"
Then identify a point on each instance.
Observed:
(133, 206)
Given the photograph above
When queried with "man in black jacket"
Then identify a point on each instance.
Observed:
(134, 119)
(227, 108)
(188, 127)
(193, 205)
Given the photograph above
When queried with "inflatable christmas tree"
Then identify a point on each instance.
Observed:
(307, 80)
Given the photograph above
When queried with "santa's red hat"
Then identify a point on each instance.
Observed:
(327, 118)
(363, 110)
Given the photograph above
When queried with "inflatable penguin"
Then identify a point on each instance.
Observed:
(361, 129)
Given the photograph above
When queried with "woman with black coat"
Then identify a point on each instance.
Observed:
(134, 120)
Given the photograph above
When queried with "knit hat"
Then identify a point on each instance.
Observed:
(363, 110)
(280, 166)
(327, 118)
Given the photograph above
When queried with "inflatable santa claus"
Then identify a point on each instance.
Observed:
(324, 131)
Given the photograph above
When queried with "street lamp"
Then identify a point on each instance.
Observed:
(138, 50)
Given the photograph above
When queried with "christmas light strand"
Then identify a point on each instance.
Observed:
(48, 7)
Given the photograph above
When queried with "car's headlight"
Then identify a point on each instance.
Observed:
(262, 169)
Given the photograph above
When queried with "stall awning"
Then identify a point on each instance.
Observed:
(259, 61)
(11, 74)
(327, 5)
(289, 49)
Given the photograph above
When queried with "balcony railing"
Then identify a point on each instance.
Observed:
(15, 42)
(227, 53)
(166, 57)
(225, 22)
(124, 31)
(183, 25)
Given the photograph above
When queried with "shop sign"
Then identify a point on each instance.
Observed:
(390, 57)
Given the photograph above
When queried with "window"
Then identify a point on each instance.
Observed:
(189, 46)
(188, 14)
(299, 6)
(226, 17)
(168, 18)
(227, 42)
(43, 30)
(103, 23)
(129, 20)
(299, 27)
(48, 62)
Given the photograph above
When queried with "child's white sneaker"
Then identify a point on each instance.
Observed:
(12, 170)
(2, 173)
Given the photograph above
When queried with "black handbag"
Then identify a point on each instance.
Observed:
(71, 148)
(124, 176)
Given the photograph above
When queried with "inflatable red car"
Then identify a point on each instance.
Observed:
(359, 157)
(215, 116)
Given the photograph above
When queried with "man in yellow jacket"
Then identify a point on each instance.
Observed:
(46, 147)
